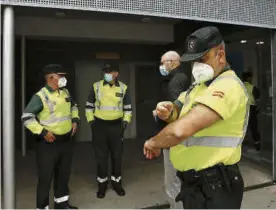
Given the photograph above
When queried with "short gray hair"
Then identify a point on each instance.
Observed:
(171, 55)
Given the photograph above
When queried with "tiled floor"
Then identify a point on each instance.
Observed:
(264, 198)
(143, 180)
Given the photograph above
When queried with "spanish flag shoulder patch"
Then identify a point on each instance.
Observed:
(218, 94)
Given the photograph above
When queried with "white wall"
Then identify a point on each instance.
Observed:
(111, 30)
(86, 74)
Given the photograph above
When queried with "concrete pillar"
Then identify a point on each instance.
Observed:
(8, 108)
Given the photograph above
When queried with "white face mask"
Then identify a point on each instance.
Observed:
(202, 72)
(163, 70)
(62, 82)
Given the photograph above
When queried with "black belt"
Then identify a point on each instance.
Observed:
(208, 179)
(221, 169)
(116, 121)
(59, 138)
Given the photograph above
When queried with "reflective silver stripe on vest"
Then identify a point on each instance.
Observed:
(246, 117)
(246, 120)
(98, 94)
(186, 101)
(89, 110)
(212, 141)
(28, 115)
(74, 108)
(109, 108)
(122, 91)
(187, 95)
(48, 102)
(90, 104)
(221, 141)
(52, 117)
(31, 119)
(55, 120)
(127, 106)
(127, 112)
(28, 122)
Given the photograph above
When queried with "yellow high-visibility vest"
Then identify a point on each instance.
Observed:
(109, 102)
(249, 87)
(221, 142)
(57, 113)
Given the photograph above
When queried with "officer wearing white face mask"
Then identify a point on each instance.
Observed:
(207, 125)
(108, 111)
(53, 116)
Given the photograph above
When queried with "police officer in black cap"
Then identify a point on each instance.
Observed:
(109, 111)
(53, 116)
(207, 125)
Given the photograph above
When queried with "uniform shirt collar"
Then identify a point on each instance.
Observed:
(117, 84)
(51, 90)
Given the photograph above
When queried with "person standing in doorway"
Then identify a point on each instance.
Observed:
(53, 115)
(177, 83)
(207, 127)
(254, 96)
(109, 111)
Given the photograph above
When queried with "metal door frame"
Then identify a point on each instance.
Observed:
(273, 74)
(133, 64)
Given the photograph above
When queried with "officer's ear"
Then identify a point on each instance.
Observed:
(221, 53)
(48, 76)
(222, 57)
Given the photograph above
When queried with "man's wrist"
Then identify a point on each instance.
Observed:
(152, 144)
(125, 123)
(43, 132)
(76, 120)
(170, 116)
